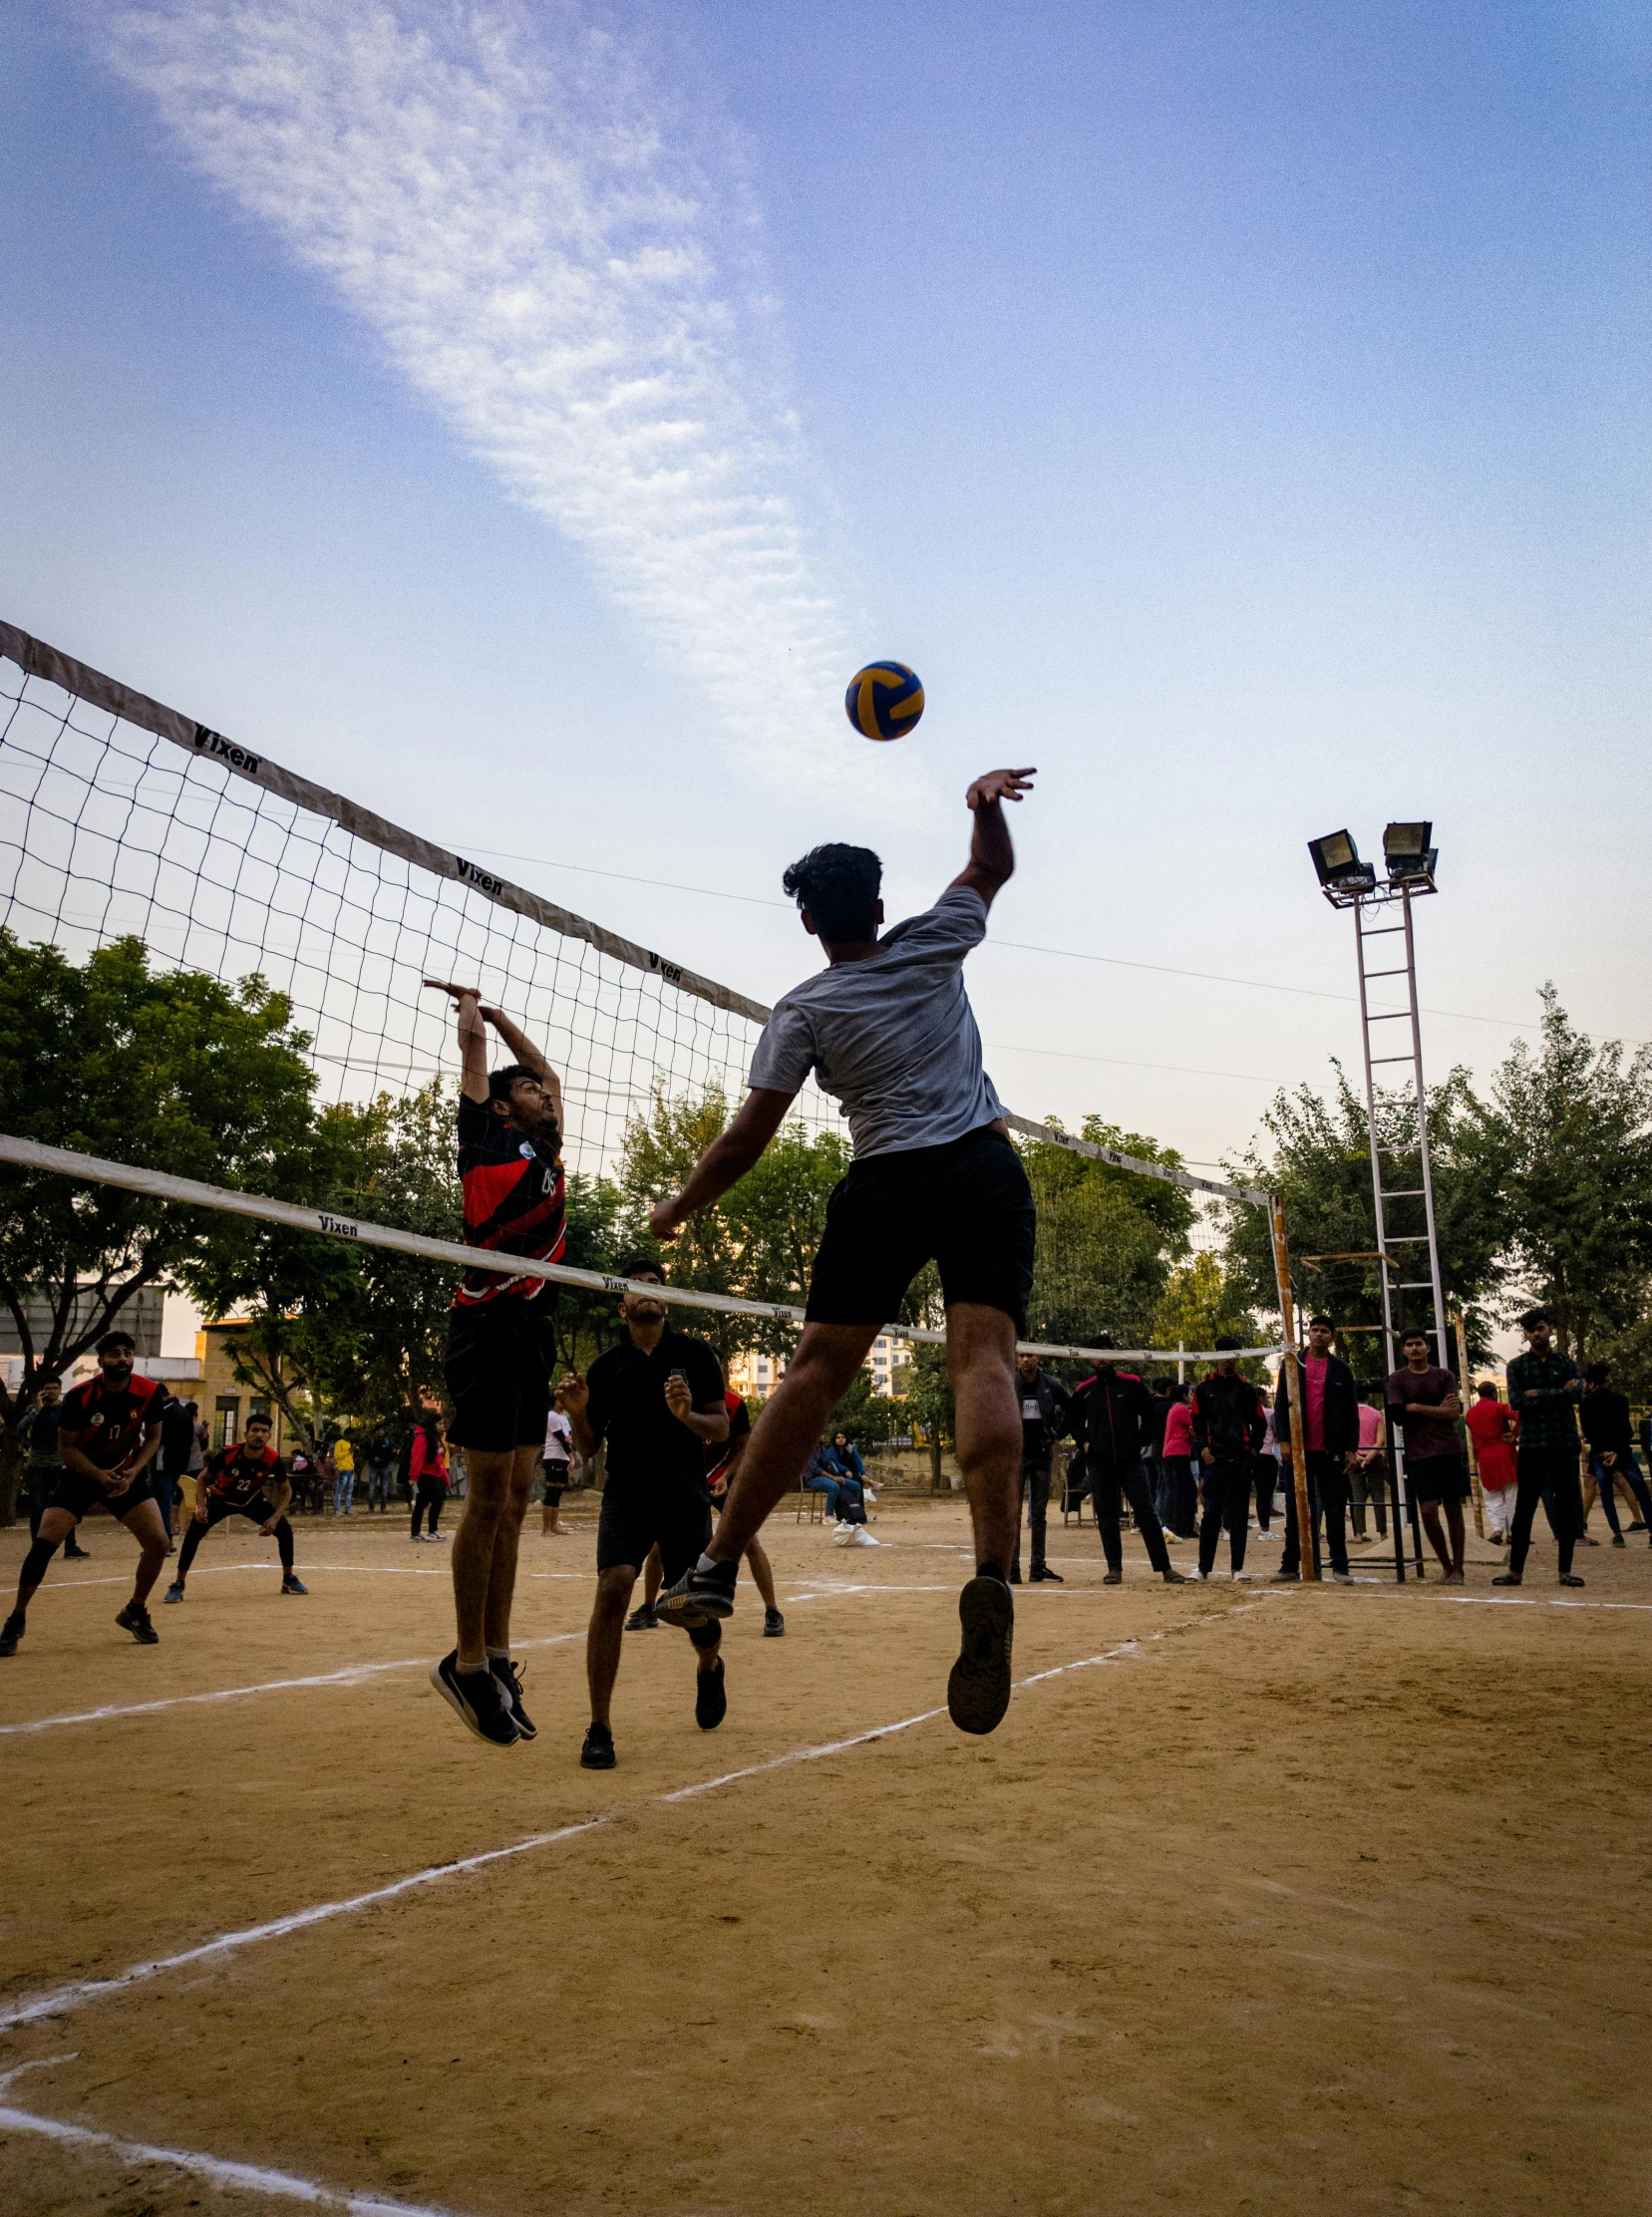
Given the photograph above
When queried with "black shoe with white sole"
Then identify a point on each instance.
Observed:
(642, 1619)
(10, 1633)
(699, 1597)
(477, 1699)
(509, 1676)
(135, 1618)
(1042, 1575)
(773, 1625)
(711, 1700)
(598, 1751)
(978, 1690)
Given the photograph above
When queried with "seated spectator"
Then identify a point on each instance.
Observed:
(817, 1478)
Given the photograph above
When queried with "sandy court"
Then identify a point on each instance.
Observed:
(1263, 1899)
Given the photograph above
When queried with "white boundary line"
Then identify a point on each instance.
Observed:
(212, 2170)
(82, 1991)
(353, 1674)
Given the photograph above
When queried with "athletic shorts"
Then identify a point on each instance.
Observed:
(1438, 1479)
(496, 1363)
(259, 1509)
(630, 1524)
(966, 1206)
(79, 1494)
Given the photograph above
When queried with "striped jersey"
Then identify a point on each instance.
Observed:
(107, 1423)
(515, 1201)
(237, 1474)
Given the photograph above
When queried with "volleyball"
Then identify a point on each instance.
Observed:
(884, 700)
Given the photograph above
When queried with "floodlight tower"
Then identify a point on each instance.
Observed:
(1347, 882)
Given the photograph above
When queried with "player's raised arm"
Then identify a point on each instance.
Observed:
(472, 1036)
(724, 1162)
(991, 855)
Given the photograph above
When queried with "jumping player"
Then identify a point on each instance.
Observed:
(248, 1480)
(888, 1028)
(499, 1352)
(657, 1399)
(108, 1440)
(724, 1461)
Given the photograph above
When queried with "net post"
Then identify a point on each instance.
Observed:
(1307, 1551)
(1467, 1436)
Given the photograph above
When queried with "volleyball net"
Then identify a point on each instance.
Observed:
(122, 819)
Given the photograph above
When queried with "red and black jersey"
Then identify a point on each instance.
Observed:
(515, 1201)
(236, 1473)
(719, 1452)
(107, 1423)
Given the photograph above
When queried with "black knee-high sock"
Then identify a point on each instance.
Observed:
(283, 1540)
(191, 1540)
(35, 1562)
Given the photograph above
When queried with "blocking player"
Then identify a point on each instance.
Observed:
(724, 1461)
(499, 1352)
(657, 1399)
(107, 1439)
(247, 1479)
(886, 1026)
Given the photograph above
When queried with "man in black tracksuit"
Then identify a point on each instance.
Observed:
(1046, 1416)
(1111, 1413)
(1331, 1435)
(1228, 1431)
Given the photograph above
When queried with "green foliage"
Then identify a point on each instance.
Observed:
(868, 1417)
(1201, 1301)
(168, 1070)
(1106, 1238)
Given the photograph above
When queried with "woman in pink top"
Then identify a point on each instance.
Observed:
(427, 1472)
(1366, 1480)
(1180, 1488)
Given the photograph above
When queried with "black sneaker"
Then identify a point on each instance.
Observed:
(642, 1619)
(74, 1554)
(477, 1698)
(1618, 1540)
(773, 1625)
(509, 1676)
(1172, 1577)
(1113, 1578)
(978, 1689)
(135, 1618)
(1286, 1578)
(1570, 1578)
(1015, 1574)
(291, 1584)
(699, 1597)
(175, 1592)
(10, 1633)
(1508, 1578)
(598, 1750)
(711, 1700)
(1042, 1575)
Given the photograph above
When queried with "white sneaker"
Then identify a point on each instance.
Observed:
(863, 1538)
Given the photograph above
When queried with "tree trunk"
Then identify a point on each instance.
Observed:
(935, 1486)
(11, 1457)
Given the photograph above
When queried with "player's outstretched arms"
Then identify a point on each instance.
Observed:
(991, 861)
(472, 1036)
(726, 1162)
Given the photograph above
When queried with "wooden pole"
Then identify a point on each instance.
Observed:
(1463, 1389)
(1307, 1553)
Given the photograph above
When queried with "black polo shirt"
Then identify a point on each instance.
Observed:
(649, 1451)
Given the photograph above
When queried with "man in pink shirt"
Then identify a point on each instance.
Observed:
(1366, 1481)
(1330, 1437)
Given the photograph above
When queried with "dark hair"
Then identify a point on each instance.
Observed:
(261, 1417)
(1227, 1340)
(499, 1081)
(1485, 1390)
(1533, 1316)
(1414, 1332)
(643, 1266)
(1330, 1323)
(1176, 1389)
(1102, 1340)
(1598, 1373)
(113, 1340)
(838, 885)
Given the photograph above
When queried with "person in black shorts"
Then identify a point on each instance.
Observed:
(108, 1440)
(248, 1480)
(721, 1464)
(886, 1026)
(657, 1399)
(1424, 1404)
(497, 1356)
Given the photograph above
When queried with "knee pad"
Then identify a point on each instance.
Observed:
(706, 1634)
(35, 1561)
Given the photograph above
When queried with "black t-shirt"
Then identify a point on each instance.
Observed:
(514, 1200)
(648, 1450)
(1426, 1436)
(1605, 1416)
(740, 1427)
(107, 1423)
(236, 1473)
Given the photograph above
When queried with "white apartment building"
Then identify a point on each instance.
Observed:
(757, 1376)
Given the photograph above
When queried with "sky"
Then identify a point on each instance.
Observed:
(525, 418)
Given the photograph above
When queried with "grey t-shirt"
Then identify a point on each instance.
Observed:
(893, 1037)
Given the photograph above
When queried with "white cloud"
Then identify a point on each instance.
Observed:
(496, 191)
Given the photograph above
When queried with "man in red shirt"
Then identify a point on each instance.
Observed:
(1494, 1427)
(245, 1480)
(108, 1439)
(499, 1352)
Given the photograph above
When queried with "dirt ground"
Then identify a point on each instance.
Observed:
(1261, 1899)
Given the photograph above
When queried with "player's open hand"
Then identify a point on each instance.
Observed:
(664, 1221)
(999, 784)
(573, 1394)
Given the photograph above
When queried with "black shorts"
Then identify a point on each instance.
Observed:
(258, 1509)
(678, 1524)
(496, 1363)
(966, 1206)
(1438, 1479)
(78, 1494)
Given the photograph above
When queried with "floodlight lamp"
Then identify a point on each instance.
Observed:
(1407, 851)
(1337, 860)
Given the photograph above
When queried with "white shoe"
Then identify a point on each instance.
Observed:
(1240, 1576)
(863, 1538)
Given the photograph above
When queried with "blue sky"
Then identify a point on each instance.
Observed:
(525, 418)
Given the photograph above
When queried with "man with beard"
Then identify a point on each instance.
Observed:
(1046, 1416)
(1228, 1431)
(108, 1440)
(1111, 1413)
(497, 1356)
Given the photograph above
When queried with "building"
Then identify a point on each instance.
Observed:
(221, 1398)
(140, 1316)
(756, 1376)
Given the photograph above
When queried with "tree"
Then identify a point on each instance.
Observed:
(1201, 1301)
(167, 1069)
(1106, 1238)
(1578, 1179)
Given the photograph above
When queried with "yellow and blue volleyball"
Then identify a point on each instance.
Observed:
(884, 700)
